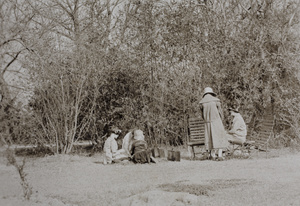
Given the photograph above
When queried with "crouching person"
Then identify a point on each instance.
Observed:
(140, 153)
(238, 132)
(112, 154)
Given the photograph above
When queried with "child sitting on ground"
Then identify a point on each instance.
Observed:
(112, 154)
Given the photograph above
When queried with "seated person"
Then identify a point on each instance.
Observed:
(238, 132)
(139, 150)
(112, 154)
(127, 143)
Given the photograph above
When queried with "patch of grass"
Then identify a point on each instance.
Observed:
(194, 189)
(39, 151)
(199, 190)
(222, 184)
(238, 156)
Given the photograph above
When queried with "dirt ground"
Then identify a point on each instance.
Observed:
(80, 180)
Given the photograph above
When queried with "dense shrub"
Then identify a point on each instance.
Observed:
(147, 65)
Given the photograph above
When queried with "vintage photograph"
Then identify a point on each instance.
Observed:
(149, 102)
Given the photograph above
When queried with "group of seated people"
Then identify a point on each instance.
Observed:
(134, 147)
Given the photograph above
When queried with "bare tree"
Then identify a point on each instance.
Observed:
(14, 27)
(66, 66)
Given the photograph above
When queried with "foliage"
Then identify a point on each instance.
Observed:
(13, 125)
(145, 64)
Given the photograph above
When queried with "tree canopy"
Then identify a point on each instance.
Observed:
(145, 64)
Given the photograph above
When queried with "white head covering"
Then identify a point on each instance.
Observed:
(209, 90)
(139, 135)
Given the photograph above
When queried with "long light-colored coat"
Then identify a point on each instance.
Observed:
(126, 144)
(215, 135)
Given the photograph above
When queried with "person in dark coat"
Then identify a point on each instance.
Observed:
(140, 153)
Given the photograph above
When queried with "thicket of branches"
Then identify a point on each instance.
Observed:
(145, 64)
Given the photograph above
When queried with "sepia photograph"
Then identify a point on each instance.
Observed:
(149, 102)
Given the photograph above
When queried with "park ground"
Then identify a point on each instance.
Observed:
(81, 180)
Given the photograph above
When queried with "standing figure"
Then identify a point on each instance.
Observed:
(215, 135)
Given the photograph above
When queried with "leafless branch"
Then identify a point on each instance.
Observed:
(14, 59)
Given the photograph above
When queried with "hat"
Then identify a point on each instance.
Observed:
(115, 130)
(138, 134)
(209, 90)
(235, 109)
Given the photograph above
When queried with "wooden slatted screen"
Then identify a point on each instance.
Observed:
(265, 131)
(196, 126)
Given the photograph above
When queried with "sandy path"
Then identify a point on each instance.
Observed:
(74, 180)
